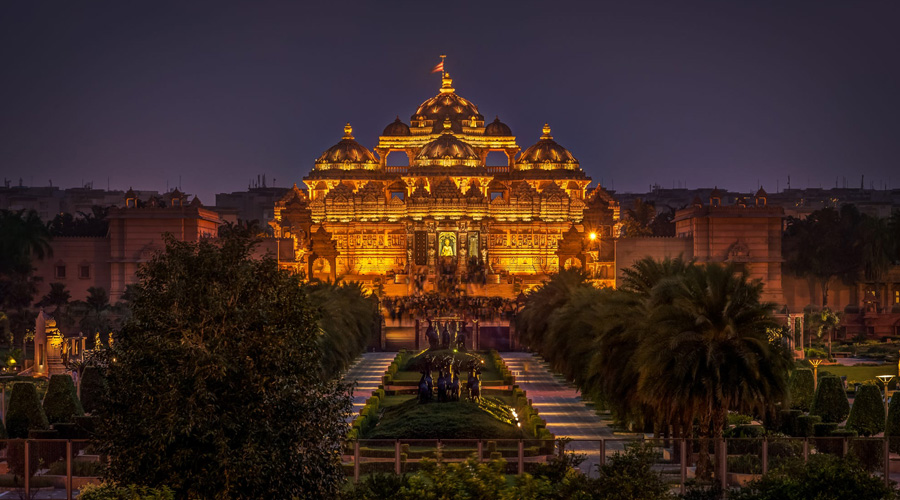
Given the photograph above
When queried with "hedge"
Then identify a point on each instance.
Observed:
(802, 389)
(831, 401)
(61, 402)
(93, 388)
(893, 429)
(867, 413)
(806, 425)
(789, 424)
(25, 411)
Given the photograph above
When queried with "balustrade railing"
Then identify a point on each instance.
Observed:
(732, 462)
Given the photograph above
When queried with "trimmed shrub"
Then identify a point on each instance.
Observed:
(802, 389)
(25, 411)
(893, 429)
(789, 424)
(61, 403)
(831, 401)
(806, 425)
(824, 429)
(107, 491)
(93, 388)
(867, 413)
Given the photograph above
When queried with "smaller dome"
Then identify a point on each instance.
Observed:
(347, 154)
(396, 128)
(447, 150)
(547, 154)
(497, 128)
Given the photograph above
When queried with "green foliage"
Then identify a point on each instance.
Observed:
(454, 419)
(802, 389)
(107, 491)
(61, 402)
(675, 338)
(25, 411)
(626, 476)
(831, 401)
(347, 321)
(93, 388)
(806, 425)
(893, 424)
(824, 477)
(867, 414)
(216, 389)
(630, 475)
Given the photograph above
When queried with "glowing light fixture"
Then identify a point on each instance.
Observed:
(593, 236)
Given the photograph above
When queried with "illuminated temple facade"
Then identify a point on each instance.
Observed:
(448, 213)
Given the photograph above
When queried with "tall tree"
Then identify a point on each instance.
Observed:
(707, 350)
(540, 303)
(348, 317)
(825, 246)
(25, 238)
(216, 389)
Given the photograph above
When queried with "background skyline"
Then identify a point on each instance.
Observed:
(733, 94)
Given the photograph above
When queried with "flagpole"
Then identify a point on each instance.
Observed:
(443, 69)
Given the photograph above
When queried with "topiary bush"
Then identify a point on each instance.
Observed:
(93, 388)
(61, 402)
(789, 424)
(25, 411)
(893, 425)
(806, 425)
(831, 401)
(802, 389)
(867, 413)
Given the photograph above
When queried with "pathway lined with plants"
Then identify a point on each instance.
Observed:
(561, 406)
(367, 372)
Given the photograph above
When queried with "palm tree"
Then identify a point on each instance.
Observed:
(707, 352)
(540, 303)
(348, 317)
(25, 237)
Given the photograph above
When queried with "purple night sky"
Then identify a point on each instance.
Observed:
(707, 93)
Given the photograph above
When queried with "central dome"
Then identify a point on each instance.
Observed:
(461, 112)
(447, 150)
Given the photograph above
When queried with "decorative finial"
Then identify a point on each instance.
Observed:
(446, 84)
(546, 131)
(348, 131)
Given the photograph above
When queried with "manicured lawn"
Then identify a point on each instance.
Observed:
(451, 420)
(861, 373)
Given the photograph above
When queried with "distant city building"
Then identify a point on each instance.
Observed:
(256, 203)
(795, 202)
(48, 201)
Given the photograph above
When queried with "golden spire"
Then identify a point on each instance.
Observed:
(447, 84)
(348, 131)
(546, 131)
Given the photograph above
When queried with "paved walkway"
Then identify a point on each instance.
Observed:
(561, 406)
(367, 372)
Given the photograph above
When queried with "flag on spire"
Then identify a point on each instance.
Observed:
(440, 66)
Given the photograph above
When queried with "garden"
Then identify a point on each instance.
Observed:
(396, 426)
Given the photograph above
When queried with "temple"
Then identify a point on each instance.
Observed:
(446, 218)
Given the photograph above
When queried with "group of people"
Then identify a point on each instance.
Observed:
(448, 383)
(434, 305)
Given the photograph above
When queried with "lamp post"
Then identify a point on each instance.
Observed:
(815, 362)
(885, 379)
